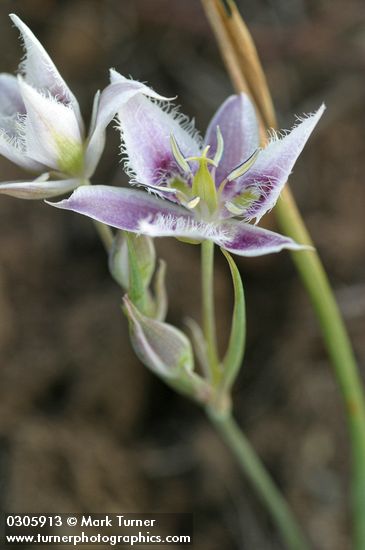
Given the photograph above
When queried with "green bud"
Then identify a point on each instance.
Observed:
(132, 263)
(142, 250)
(166, 351)
(160, 346)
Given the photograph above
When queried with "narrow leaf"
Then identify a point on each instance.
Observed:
(234, 355)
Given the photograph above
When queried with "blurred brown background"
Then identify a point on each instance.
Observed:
(83, 426)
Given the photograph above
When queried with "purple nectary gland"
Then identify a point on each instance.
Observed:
(258, 182)
(165, 168)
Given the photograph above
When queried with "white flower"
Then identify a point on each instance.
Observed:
(41, 128)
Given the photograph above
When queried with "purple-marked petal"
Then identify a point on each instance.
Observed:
(122, 208)
(250, 240)
(273, 166)
(13, 149)
(119, 91)
(138, 212)
(50, 127)
(11, 102)
(238, 124)
(40, 71)
(146, 130)
(40, 188)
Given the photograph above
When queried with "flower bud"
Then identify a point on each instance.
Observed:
(143, 251)
(132, 262)
(166, 351)
(160, 346)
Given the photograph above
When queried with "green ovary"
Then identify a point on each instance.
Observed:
(204, 186)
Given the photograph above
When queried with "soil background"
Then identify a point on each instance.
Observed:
(84, 427)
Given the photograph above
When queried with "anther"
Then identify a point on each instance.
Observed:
(159, 188)
(220, 147)
(233, 209)
(193, 203)
(241, 169)
(178, 156)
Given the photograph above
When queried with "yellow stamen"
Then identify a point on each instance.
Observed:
(239, 170)
(220, 147)
(181, 161)
(193, 203)
(244, 167)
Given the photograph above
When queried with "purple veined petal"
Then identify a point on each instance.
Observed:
(106, 105)
(273, 166)
(146, 129)
(123, 208)
(139, 212)
(11, 102)
(238, 124)
(13, 149)
(119, 91)
(40, 71)
(250, 240)
(39, 188)
(50, 128)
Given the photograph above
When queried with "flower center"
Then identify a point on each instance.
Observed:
(202, 193)
(203, 185)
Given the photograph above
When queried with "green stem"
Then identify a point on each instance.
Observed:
(233, 358)
(264, 486)
(209, 329)
(219, 413)
(244, 66)
(339, 349)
